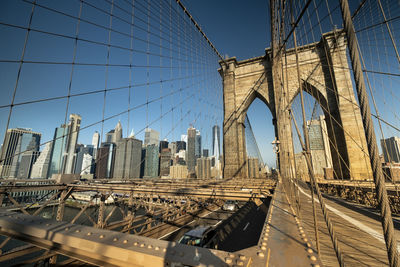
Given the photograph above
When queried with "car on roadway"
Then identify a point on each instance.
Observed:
(201, 236)
(230, 205)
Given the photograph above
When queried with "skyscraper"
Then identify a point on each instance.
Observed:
(16, 141)
(205, 153)
(198, 145)
(96, 139)
(114, 135)
(128, 158)
(151, 161)
(118, 132)
(41, 167)
(80, 155)
(180, 145)
(87, 164)
(172, 147)
(216, 141)
(105, 160)
(165, 161)
(190, 152)
(391, 149)
(203, 168)
(151, 137)
(57, 151)
(163, 144)
(319, 145)
(74, 125)
(27, 160)
(253, 168)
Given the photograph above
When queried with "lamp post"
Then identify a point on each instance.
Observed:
(276, 148)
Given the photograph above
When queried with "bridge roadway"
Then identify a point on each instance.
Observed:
(358, 229)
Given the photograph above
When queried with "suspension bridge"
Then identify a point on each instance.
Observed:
(126, 130)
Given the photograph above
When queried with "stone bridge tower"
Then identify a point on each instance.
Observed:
(324, 73)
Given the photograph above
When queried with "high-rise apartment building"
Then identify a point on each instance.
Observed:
(163, 144)
(128, 158)
(253, 168)
(40, 168)
(216, 141)
(165, 161)
(172, 147)
(203, 167)
(74, 125)
(80, 154)
(178, 171)
(151, 161)
(151, 137)
(205, 153)
(197, 145)
(319, 146)
(87, 164)
(105, 161)
(391, 149)
(28, 158)
(96, 139)
(190, 152)
(16, 141)
(57, 159)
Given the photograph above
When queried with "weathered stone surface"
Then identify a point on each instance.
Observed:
(324, 73)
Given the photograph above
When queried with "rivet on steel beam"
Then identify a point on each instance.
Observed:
(164, 249)
(239, 263)
(231, 255)
(66, 228)
(228, 260)
(125, 241)
(115, 239)
(305, 239)
(89, 233)
(78, 231)
(263, 247)
(308, 245)
(260, 254)
(264, 243)
(149, 246)
(316, 265)
(302, 231)
(242, 257)
(309, 250)
(157, 248)
(313, 258)
(48, 224)
(101, 236)
(303, 235)
(142, 245)
(135, 243)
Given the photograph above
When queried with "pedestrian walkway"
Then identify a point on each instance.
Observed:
(358, 229)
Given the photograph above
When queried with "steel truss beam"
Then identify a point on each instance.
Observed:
(104, 247)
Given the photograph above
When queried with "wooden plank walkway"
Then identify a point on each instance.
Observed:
(358, 229)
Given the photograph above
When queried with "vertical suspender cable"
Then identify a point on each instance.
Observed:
(381, 193)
